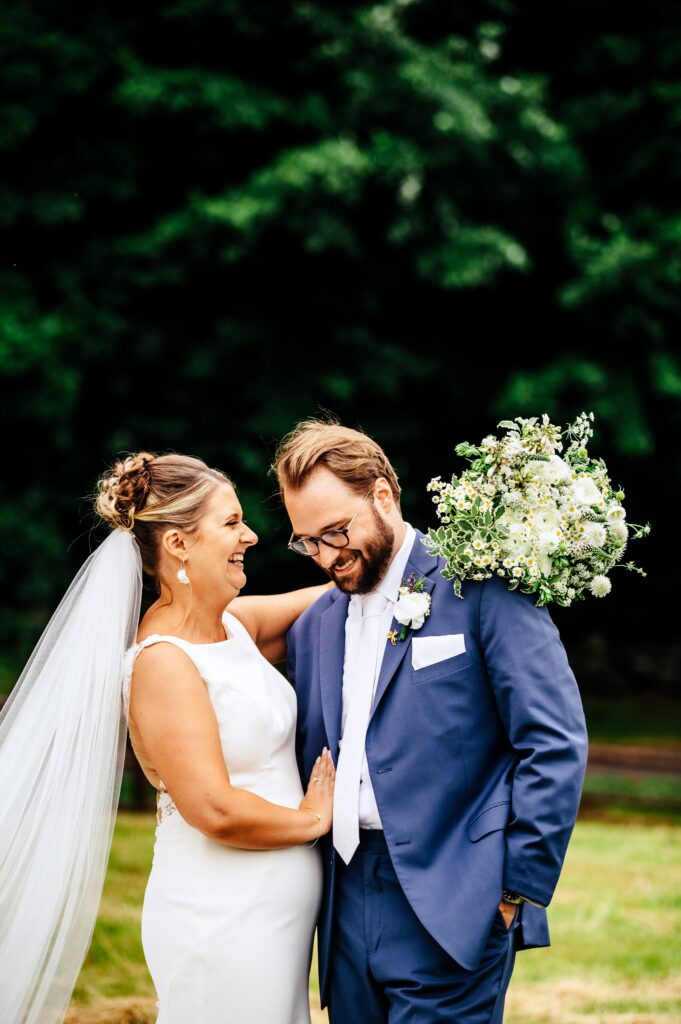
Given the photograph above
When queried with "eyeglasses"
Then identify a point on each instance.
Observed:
(332, 538)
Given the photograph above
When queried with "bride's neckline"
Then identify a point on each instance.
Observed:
(213, 643)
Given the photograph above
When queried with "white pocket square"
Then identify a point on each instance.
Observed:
(427, 650)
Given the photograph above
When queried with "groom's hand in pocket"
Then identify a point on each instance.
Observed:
(508, 912)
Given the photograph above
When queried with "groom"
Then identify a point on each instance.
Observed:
(460, 751)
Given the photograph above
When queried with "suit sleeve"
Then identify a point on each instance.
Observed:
(291, 673)
(540, 707)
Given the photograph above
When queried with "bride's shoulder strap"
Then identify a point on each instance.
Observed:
(131, 655)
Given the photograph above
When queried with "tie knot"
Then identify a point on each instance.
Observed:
(373, 604)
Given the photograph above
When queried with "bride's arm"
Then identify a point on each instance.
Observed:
(175, 720)
(268, 617)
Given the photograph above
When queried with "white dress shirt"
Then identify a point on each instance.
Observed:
(389, 586)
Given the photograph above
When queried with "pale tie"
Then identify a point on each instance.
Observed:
(349, 767)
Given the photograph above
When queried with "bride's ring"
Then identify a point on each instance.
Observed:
(315, 778)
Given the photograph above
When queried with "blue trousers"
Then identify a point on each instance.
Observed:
(385, 968)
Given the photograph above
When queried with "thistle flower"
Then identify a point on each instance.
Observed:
(600, 586)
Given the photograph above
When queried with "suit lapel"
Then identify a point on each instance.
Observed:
(423, 565)
(331, 659)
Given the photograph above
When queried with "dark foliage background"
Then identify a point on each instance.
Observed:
(219, 218)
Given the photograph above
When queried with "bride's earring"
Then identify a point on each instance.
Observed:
(182, 575)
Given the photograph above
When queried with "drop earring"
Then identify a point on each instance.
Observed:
(182, 575)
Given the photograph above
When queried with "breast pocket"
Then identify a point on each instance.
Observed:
(446, 667)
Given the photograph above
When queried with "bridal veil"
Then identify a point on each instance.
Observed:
(62, 745)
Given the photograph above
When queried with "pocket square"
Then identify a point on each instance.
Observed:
(427, 650)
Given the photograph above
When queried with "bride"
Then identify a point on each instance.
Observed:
(232, 898)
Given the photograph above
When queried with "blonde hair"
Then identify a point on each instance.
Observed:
(147, 494)
(349, 454)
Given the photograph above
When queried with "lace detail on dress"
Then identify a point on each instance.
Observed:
(164, 803)
(128, 663)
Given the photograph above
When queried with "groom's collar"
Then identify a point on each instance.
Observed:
(420, 558)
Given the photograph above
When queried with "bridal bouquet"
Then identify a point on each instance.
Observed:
(551, 524)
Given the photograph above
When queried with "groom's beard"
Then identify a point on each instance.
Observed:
(369, 568)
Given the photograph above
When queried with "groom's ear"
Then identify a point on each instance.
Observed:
(383, 494)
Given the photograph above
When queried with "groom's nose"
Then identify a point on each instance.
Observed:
(327, 556)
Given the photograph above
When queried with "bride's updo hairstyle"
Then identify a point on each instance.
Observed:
(149, 494)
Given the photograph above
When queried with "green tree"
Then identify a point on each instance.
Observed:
(221, 217)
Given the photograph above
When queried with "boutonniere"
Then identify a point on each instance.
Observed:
(412, 607)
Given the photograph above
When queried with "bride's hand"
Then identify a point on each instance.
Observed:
(319, 796)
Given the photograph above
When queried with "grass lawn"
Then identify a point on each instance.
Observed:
(615, 922)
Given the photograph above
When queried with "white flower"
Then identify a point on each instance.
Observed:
(595, 534)
(518, 531)
(557, 470)
(551, 472)
(546, 519)
(548, 540)
(585, 492)
(619, 530)
(534, 469)
(512, 446)
(511, 520)
(615, 514)
(516, 549)
(411, 609)
(545, 563)
(600, 586)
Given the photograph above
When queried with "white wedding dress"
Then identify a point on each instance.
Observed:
(227, 933)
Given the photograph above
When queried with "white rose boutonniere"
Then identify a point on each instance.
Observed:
(411, 609)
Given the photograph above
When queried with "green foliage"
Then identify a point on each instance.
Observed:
(220, 218)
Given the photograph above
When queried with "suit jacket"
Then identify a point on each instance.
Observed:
(476, 761)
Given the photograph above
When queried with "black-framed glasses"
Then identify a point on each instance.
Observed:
(332, 538)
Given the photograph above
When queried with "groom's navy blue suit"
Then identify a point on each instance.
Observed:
(476, 761)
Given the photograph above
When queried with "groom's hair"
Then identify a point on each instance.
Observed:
(349, 454)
